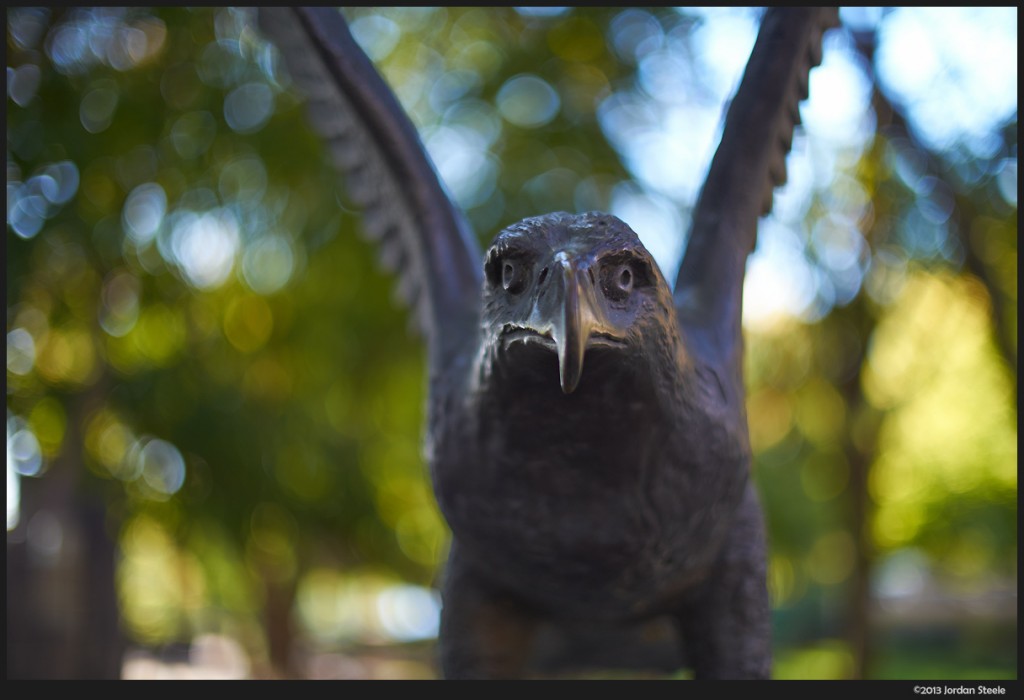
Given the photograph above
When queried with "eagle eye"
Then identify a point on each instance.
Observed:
(618, 279)
(624, 280)
(512, 277)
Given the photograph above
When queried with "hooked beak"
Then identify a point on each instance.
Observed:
(574, 321)
(567, 317)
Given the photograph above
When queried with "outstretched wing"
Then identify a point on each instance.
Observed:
(422, 237)
(749, 163)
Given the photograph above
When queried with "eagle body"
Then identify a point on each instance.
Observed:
(596, 497)
(613, 501)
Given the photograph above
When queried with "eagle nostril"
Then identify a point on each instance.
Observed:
(543, 276)
(590, 272)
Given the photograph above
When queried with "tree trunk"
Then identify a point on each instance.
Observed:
(62, 609)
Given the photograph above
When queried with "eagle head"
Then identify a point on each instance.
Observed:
(570, 283)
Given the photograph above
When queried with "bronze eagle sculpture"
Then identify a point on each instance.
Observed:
(586, 430)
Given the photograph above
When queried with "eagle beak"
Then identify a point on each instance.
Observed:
(573, 323)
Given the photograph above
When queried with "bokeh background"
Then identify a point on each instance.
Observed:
(214, 406)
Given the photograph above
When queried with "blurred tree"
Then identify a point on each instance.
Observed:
(204, 394)
(970, 207)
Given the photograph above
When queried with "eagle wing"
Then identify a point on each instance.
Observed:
(748, 165)
(422, 236)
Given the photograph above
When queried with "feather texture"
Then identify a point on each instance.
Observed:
(421, 236)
